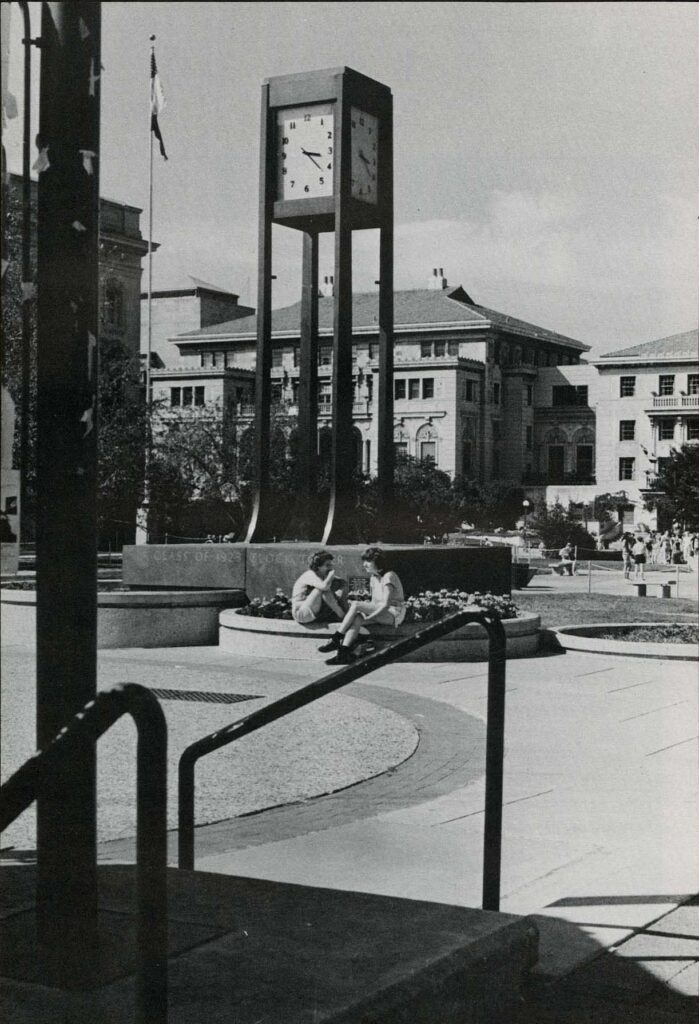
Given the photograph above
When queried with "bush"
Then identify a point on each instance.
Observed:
(431, 606)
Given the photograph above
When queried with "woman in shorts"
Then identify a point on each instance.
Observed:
(387, 607)
(639, 558)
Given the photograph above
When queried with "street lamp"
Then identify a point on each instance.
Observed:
(525, 506)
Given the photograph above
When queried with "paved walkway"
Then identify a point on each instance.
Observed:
(600, 830)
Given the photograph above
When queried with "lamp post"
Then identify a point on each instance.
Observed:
(525, 506)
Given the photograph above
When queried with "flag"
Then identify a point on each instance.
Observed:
(157, 102)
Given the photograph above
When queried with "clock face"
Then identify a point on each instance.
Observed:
(305, 148)
(365, 156)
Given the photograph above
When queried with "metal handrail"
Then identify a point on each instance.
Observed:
(495, 735)
(22, 788)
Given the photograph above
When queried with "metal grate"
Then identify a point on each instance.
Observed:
(204, 696)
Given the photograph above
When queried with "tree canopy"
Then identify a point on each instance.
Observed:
(679, 482)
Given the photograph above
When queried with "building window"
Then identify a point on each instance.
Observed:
(401, 448)
(206, 359)
(296, 355)
(528, 441)
(325, 355)
(113, 305)
(627, 430)
(425, 349)
(530, 394)
(413, 388)
(428, 387)
(199, 395)
(583, 460)
(666, 430)
(627, 468)
(175, 397)
(666, 384)
(277, 357)
(440, 348)
(627, 387)
(662, 465)
(693, 383)
(693, 429)
(470, 386)
(399, 389)
(496, 394)
(556, 463)
(325, 394)
(453, 348)
(467, 459)
(186, 396)
(496, 430)
(569, 394)
(428, 451)
(373, 350)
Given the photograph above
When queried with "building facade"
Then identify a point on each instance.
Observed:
(481, 394)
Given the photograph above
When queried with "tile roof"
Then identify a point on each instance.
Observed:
(679, 346)
(420, 308)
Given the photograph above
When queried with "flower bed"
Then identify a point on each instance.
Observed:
(428, 606)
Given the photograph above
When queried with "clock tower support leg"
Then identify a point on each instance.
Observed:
(307, 525)
(338, 525)
(260, 527)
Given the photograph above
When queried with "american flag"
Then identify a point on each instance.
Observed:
(157, 102)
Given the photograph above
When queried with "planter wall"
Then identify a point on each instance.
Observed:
(132, 619)
(587, 638)
(260, 569)
(286, 639)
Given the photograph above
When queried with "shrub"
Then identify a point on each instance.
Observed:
(277, 607)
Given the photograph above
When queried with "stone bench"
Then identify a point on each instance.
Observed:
(285, 638)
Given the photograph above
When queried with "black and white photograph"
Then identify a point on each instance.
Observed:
(349, 513)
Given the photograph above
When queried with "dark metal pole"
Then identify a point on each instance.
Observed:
(308, 390)
(67, 259)
(386, 457)
(259, 527)
(494, 758)
(27, 303)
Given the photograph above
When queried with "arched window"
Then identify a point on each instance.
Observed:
(426, 441)
(556, 441)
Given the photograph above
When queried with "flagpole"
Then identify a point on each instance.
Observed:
(142, 526)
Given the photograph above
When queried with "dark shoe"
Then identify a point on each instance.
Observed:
(333, 643)
(343, 657)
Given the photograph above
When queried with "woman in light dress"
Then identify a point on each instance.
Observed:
(387, 607)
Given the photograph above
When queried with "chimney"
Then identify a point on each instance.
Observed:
(327, 287)
(438, 281)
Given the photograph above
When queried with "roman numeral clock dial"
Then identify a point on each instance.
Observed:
(305, 151)
(365, 156)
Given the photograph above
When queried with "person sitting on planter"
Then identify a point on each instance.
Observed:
(387, 607)
(319, 595)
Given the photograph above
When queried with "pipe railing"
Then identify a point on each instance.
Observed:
(22, 788)
(492, 841)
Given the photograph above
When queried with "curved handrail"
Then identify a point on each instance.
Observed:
(313, 691)
(22, 788)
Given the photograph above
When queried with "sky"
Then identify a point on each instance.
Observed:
(545, 154)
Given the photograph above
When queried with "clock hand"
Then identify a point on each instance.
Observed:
(311, 156)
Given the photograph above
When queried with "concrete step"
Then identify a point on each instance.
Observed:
(247, 950)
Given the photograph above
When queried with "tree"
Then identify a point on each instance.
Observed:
(194, 488)
(556, 526)
(679, 482)
(489, 506)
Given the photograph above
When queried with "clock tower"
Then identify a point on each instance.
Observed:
(326, 164)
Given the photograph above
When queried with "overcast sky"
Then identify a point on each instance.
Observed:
(545, 154)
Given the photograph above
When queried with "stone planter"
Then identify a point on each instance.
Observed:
(158, 618)
(586, 638)
(284, 638)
